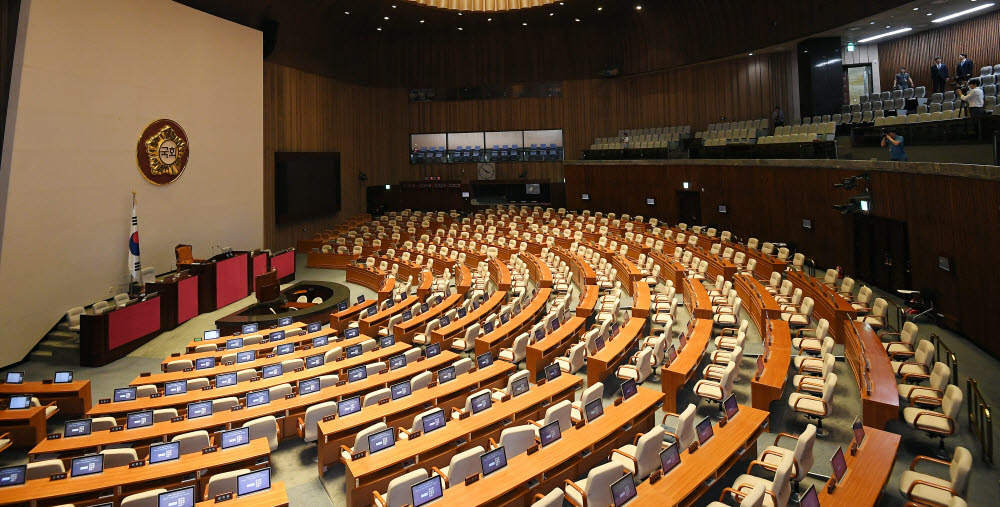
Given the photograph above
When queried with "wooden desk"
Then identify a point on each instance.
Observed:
(615, 352)
(670, 269)
(697, 472)
(330, 260)
(757, 301)
(538, 271)
(543, 352)
(456, 329)
(867, 472)
(696, 300)
(400, 413)
(73, 399)
(828, 304)
(583, 273)
(370, 325)
(675, 376)
(771, 384)
(340, 320)
(404, 331)
(274, 497)
(124, 481)
(373, 472)
(628, 273)
(561, 460)
(264, 348)
(641, 300)
(500, 275)
(504, 334)
(879, 396)
(589, 296)
(222, 280)
(26, 426)
(370, 278)
(191, 345)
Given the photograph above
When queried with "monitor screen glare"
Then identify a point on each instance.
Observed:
(623, 490)
(628, 389)
(594, 409)
(669, 458)
(549, 433)
(400, 390)
(235, 438)
(427, 491)
(309, 386)
(199, 409)
(493, 460)
(432, 350)
(15, 377)
(481, 402)
(77, 428)
(63, 377)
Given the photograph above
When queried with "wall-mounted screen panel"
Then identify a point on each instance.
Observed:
(477, 147)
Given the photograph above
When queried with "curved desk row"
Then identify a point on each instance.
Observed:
(504, 334)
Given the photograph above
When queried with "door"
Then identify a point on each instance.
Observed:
(859, 82)
(689, 207)
(882, 252)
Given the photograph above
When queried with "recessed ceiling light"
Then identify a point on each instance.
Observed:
(576, 19)
(393, 6)
(638, 7)
(387, 18)
(379, 28)
(460, 29)
(930, 13)
(749, 54)
(962, 13)
(459, 13)
(421, 21)
(916, 8)
(524, 24)
(347, 12)
(886, 34)
(888, 26)
(600, 8)
(872, 23)
(552, 14)
(489, 19)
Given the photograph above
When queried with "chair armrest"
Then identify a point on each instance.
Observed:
(635, 462)
(805, 380)
(762, 465)
(378, 499)
(535, 423)
(732, 330)
(669, 414)
(924, 400)
(909, 492)
(930, 392)
(779, 436)
(344, 448)
(301, 427)
(635, 440)
(571, 484)
(901, 365)
(737, 495)
(918, 459)
(406, 431)
(795, 407)
(435, 470)
(456, 411)
(916, 421)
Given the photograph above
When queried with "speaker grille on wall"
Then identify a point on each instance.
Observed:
(270, 29)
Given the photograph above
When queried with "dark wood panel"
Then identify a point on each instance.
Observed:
(976, 37)
(9, 13)
(950, 216)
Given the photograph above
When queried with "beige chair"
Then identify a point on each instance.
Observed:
(498, 394)
(192, 442)
(640, 369)
(515, 440)
(374, 397)
(751, 498)
(224, 404)
(815, 407)
(425, 337)
(814, 384)
(574, 358)
(553, 499)
(921, 363)
(223, 483)
(308, 428)
(777, 491)
(730, 338)
(164, 414)
(930, 394)
(418, 424)
(462, 465)
(561, 412)
(906, 339)
(802, 454)
(467, 409)
(145, 499)
(102, 423)
(927, 489)
(642, 457)
(718, 391)
(516, 353)
(684, 432)
(264, 427)
(43, 469)
(468, 341)
(937, 424)
(398, 493)
(595, 490)
(360, 441)
(73, 318)
(591, 393)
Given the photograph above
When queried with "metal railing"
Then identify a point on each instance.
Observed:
(980, 419)
(943, 351)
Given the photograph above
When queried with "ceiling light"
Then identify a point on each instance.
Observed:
(872, 23)
(552, 14)
(387, 18)
(916, 8)
(524, 24)
(460, 29)
(421, 21)
(886, 34)
(638, 7)
(379, 28)
(749, 54)
(576, 19)
(600, 8)
(930, 13)
(393, 6)
(489, 19)
(347, 12)
(967, 11)
(459, 13)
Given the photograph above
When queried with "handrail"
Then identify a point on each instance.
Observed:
(950, 358)
(980, 419)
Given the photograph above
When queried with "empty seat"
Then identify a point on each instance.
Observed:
(928, 489)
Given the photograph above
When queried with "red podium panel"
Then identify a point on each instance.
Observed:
(231, 280)
(133, 322)
(187, 299)
(284, 264)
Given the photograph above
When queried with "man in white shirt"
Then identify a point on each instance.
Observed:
(974, 98)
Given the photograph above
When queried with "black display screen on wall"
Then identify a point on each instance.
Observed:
(306, 186)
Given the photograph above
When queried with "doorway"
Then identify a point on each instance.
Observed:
(689, 207)
(882, 252)
(859, 82)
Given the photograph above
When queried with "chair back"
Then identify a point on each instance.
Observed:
(599, 481)
(399, 493)
(952, 402)
(961, 465)
(685, 427)
(803, 453)
(465, 464)
(560, 412)
(516, 440)
(361, 440)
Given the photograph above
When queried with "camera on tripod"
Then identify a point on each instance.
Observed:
(959, 85)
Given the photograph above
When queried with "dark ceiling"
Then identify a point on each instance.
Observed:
(420, 46)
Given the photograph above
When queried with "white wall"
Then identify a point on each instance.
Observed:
(87, 79)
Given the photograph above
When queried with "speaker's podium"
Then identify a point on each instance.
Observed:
(222, 279)
(267, 287)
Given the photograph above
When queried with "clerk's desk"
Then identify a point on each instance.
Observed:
(189, 469)
(698, 471)
(400, 413)
(72, 398)
(277, 496)
(373, 472)
(221, 341)
(572, 456)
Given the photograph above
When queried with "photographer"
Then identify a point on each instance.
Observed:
(974, 98)
(896, 153)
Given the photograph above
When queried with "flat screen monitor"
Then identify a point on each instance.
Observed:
(276, 336)
(552, 372)
(361, 299)
(348, 406)
(731, 407)
(671, 355)
(314, 327)
(433, 421)
(387, 341)
(15, 377)
(475, 304)
(183, 497)
(63, 377)
(549, 433)
(341, 306)
(810, 498)
(211, 334)
(253, 482)
(314, 361)
(285, 348)
(397, 362)
(356, 374)
(504, 318)
(400, 390)
(256, 398)
(462, 312)
(203, 363)
(437, 300)
(445, 321)
(225, 380)
(381, 440)
(320, 341)
(174, 388)
(614, 329)
(351, 332)
(13, 476)
(669, 458)
(623, 490)
(234, 343)
(554, 324)
(271, 370)
(599, 342)
(353, 351)
(519, 387)
(124, 394)
(432, 350)
(539, 333)
(139, 419)
(199, 409)
(87, 465)
(427, 491)
(309, 386)
(839, 464)
(628, 389)
(285, 321)
(594, 409)
(484, 360)
(517, 309)
(704, 430)
(481, 402)
(235, 438)
(682, 340)
(158, 453)
(407, 315)
(372, 310)
(424, 308)
(493, 460)
(76, 428)
(446, 374)
(859, 431)
(19, 401)
(488, 327)
(249, 328)
(246, 356)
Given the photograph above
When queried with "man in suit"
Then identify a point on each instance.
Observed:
(965, 67)
(939, 75)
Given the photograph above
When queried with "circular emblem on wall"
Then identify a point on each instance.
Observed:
(162, 152)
